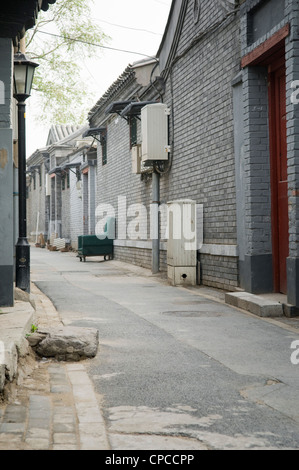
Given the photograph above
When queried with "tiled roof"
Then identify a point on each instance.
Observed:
(113, 89)
(60, 132)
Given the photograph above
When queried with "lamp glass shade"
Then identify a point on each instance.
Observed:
(23, 75)
(20, 79)
(29, 79)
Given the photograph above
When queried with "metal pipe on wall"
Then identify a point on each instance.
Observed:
(156, 233)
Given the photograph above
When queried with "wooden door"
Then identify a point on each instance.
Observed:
(279, 177)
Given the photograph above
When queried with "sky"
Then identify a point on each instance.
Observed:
(133, 25)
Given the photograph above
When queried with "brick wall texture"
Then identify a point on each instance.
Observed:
(199, 93)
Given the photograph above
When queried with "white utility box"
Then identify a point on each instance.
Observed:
(138, 166)
(182, 243)
(154, 132)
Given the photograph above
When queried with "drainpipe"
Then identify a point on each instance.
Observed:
(156, 232)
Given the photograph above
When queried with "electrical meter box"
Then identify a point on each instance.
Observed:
(154, 132)
(182, 242)
(136, 159)
(138, 166)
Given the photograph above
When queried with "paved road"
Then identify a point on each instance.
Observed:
(176, 369)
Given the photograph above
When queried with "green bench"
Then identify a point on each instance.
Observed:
(98, 245)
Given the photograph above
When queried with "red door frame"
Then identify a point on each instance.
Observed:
(271, 53)
(278, 171)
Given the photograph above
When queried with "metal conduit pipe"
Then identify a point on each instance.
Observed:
(156, 232)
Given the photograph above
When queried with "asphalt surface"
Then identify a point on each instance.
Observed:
(176, 367)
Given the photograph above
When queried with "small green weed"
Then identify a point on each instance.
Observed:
(33, 328)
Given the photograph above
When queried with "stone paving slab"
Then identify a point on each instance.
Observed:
(60, 413)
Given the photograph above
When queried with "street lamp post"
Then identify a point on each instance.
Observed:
(23, 78)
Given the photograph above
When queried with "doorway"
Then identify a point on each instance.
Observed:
(279, 174)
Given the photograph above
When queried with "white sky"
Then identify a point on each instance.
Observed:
(149, 15)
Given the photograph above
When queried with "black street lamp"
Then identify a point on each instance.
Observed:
(23, 78)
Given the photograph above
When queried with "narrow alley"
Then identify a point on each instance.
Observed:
(177, 368)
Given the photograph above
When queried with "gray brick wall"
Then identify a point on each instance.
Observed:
(115, 179)
(203, 158)
(139, 257)
(292, 64)
(219, 271)
(257, 161)
(136, 256)
(6, 176)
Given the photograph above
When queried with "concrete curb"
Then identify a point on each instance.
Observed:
(92, 430)
(15, 324)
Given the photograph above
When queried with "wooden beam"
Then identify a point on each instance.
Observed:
(260, 53)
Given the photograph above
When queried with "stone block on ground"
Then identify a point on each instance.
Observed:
(254, 304)
(66, 343)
